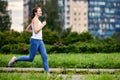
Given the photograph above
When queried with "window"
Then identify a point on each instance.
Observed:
(74, 0)
(109, 10)
(68, 12)
(68, 0)
(85, 13)
(90, 14)
(107, 26)
(68, 17)
(101, 3)
(117, 26)
(75, 19)
(85, 25)
(68, 23)
(97, 9)
(74, 13)
(112, 20)
(115, 4)
(68, 6)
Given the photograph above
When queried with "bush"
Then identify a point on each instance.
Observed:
(50, 37)
(15, 48)
(71, 38)
(86, 47)
(73, 42)
(74, 37)
(2, 38)
(24, 38)
(85, 36)
(6, 49)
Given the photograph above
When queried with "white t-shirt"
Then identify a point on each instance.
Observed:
(37, 35)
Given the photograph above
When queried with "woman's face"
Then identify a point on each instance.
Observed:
(39, 12)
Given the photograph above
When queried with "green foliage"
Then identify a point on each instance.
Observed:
(53, 19)
(13, 37)
(71, 38)
(116, 35)
(15, 48)
(5, 20)
(85, 36)
(14, 42)
(24, 37)
(50, 37)
(73, 42)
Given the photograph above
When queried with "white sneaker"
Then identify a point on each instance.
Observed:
(12, 61)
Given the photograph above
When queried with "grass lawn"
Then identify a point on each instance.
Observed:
(72, 60)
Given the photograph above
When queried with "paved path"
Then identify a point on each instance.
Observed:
(58, 70)
(80, 74)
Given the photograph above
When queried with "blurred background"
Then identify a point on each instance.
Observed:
(78, 34)
(76, 24)
(100, 18)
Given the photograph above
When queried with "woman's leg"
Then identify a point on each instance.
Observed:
(42, 51)
(33, 50)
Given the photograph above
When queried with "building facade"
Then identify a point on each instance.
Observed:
(76, 15)
(104, 17)
(99, 17)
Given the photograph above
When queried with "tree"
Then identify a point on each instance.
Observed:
(116, 35)
(5, 20)
(51, 9)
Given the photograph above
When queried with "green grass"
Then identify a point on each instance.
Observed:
(98, 60)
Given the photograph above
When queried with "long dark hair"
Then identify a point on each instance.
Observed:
(34, 10)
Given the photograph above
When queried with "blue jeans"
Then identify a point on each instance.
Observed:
(36, 45)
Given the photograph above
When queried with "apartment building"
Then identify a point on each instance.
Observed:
(76, 15)
(99, 17)
(104, 17)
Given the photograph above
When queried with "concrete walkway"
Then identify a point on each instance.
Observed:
(58, 70)
(77, 74)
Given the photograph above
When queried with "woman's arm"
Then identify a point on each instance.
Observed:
(36, 28)
(29, 28)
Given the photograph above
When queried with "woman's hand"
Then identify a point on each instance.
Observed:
(44, 23)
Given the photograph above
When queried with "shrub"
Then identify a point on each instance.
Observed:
(15, 48)
(85, 36)
(2, 38)
(24, 37)
(50, 37)
(71, 38)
